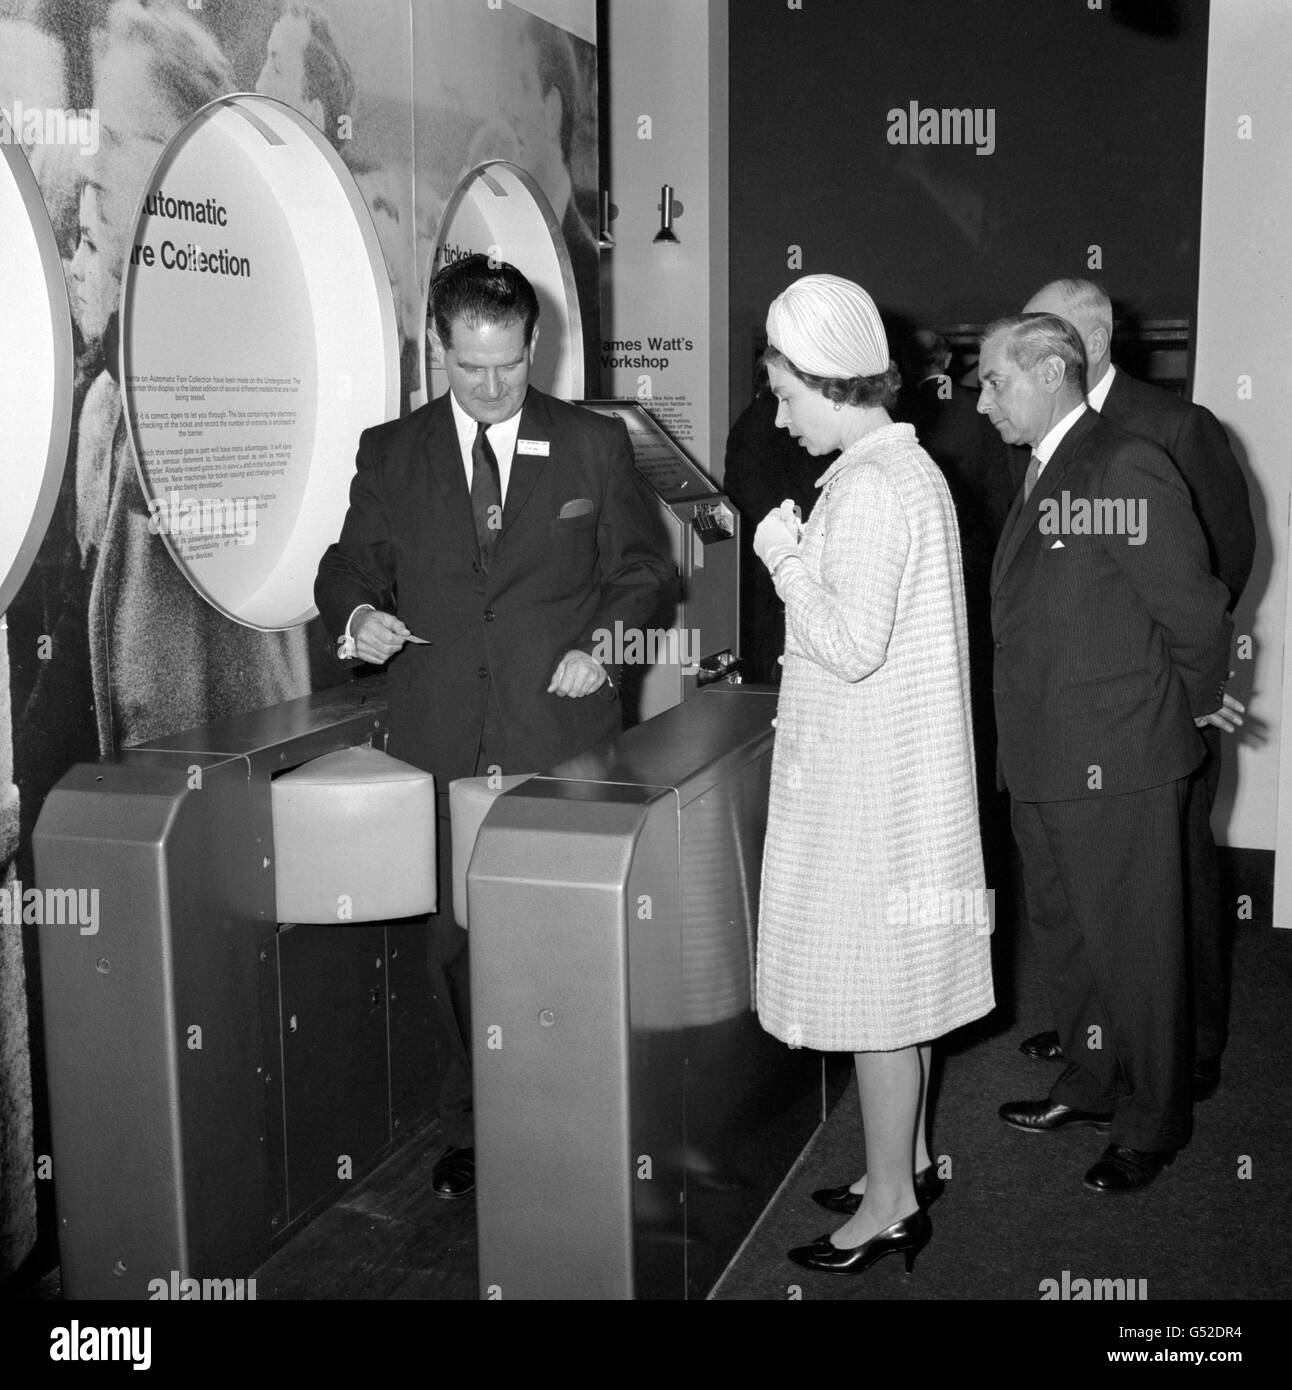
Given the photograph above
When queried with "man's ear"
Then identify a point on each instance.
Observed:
(1053, 372)
(533, 343)
(1097, 347)
(436, 347)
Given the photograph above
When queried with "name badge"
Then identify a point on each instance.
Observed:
(542, 447)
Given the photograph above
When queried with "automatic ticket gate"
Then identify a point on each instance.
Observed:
(220, 1069)
(632, 1118)
(216, 1074)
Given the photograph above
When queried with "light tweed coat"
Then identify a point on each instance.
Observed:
(872, 931)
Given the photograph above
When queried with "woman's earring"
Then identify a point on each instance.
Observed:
(838, 405)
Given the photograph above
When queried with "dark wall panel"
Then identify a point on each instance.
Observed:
(1096, 119)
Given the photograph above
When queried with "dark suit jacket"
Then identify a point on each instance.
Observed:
(763, 466)
(1105, 651)
(1199, 448)
(973, 459)
(409, 546)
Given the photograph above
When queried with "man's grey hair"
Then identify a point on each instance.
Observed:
(1031, 338)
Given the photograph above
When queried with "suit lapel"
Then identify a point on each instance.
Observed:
(444, 458)
(1023, 515)
(526, 468)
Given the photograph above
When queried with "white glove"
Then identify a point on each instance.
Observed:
(778, 535)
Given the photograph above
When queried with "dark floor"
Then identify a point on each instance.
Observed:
(1214, 1226)
(391, 1238)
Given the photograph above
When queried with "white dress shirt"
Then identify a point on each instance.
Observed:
(1097, 395)
(502, 440)
(1044, 451)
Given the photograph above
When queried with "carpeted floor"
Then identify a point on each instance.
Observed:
(1215, 1226)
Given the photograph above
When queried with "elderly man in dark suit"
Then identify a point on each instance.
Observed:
(494, 539)
(1112, 643)
(1199, 448)
(976, 465)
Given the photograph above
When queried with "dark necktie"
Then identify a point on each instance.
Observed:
(486, 493)
(1030, 477)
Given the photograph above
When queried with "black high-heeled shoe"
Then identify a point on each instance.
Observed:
(909, 1235)
(928, 1188)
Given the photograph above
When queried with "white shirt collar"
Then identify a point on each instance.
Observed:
(1045, 449)
(1097, 395)
(502, 439)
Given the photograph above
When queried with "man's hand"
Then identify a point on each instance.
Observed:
(577, 674)
(1228, 717)
(378, 636)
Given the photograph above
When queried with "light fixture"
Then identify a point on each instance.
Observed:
(668, 210)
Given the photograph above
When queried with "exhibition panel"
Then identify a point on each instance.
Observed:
(258, 340)
(36, 413)
(499, 210)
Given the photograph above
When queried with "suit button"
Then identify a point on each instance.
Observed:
(1000, 646)
(483, 672)
(488, 615)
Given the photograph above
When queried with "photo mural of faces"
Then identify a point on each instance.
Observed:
(505, 83)
(107, 643)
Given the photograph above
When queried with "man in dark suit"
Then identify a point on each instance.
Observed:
(494, 539)
(1112, 643)
(763, 467)
(976, 465)
(1199, 448)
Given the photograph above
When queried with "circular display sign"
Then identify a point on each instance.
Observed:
(257, 342)
(499, 210)
(36, 408)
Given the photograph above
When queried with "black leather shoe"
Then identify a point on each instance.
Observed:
(1206, 1079)
(1045, 1116)
(1044, 1047)
(454, 1174)
(928, 1188)
(909, 1235)
(1126, 1170)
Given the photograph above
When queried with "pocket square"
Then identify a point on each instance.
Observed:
(579, 506)
(1058, 545)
